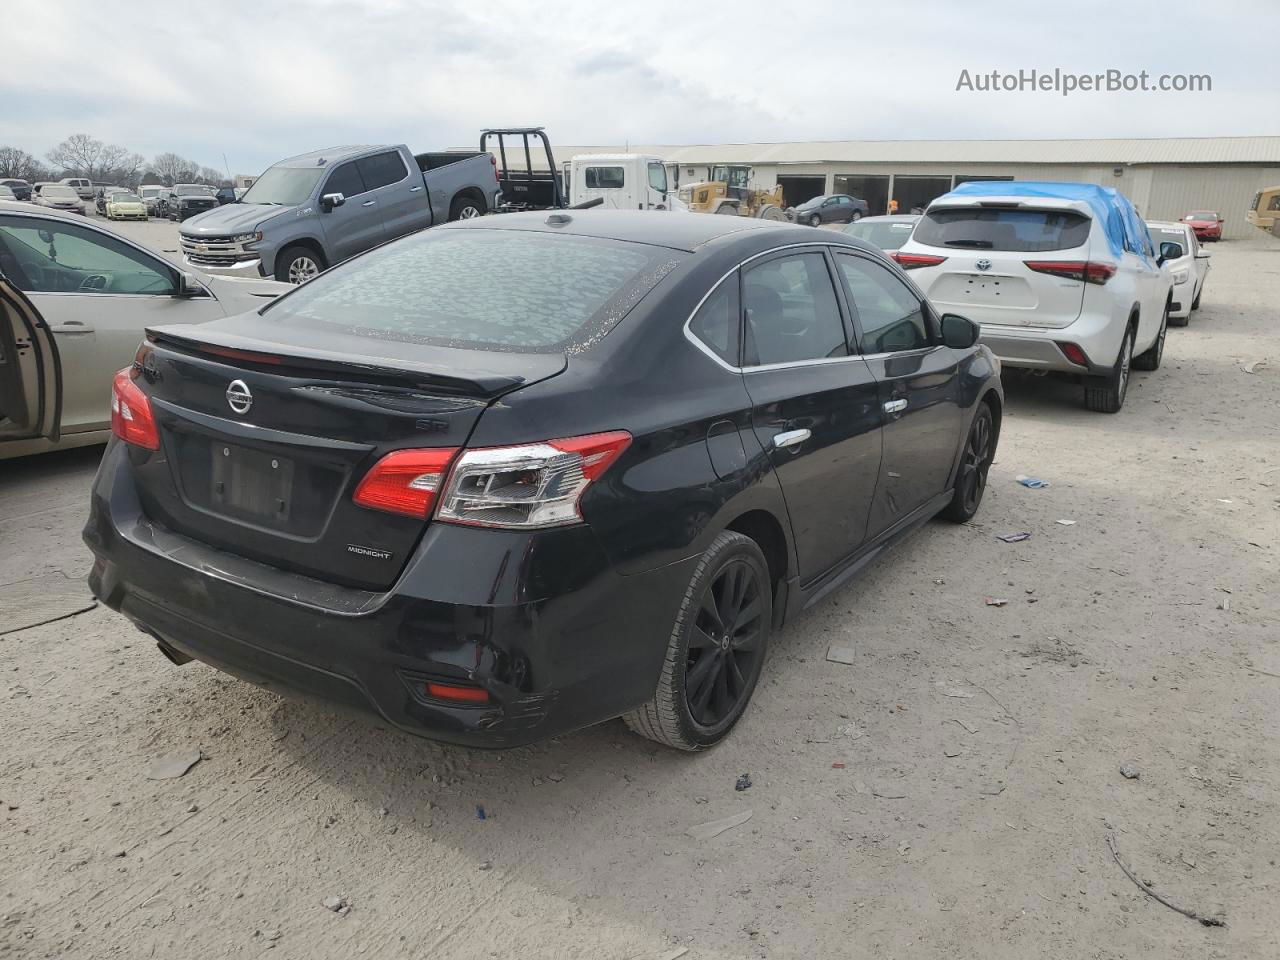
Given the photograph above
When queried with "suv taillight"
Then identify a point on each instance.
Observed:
(912, 261)
(494, 161)
(131, 418)
(1090, 271)
(405, 481)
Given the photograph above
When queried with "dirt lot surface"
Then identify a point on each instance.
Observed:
(948, 794)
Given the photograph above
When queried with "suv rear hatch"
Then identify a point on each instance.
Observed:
(1008, 262)
(263, 426)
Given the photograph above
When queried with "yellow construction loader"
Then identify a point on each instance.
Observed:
(729, 192)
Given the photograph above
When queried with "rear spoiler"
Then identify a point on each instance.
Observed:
(1014, 203)
(472, 373)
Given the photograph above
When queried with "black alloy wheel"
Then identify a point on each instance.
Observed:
(724, 644)
(971, 479)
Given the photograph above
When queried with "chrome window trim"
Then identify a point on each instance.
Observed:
(692, 337)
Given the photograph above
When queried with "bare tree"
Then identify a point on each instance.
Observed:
(212, 176)
(171, 168)
(81, 155)
(128, 169)
(17, 163)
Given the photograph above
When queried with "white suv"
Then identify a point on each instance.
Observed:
(1060, 276)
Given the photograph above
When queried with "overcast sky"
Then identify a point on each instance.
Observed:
(262, 80)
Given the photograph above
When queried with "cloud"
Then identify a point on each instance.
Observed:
(262, 81)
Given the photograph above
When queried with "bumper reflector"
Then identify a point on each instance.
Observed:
(456, 693)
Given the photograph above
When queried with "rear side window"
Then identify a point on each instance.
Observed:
(345, 180)
(716, 322)
(481, 289)
(1017, 231)
(381, 169)
(791, 312)
(605, 178)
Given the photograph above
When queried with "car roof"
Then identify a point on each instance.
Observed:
(1168, 225)
(31, 210)
(332, 155)
(678, 230)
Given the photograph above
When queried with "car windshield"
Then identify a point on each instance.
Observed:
(1018, 231)
(885, 235)
(484, 289)
(57, 190)
(193, 190)
(1202, 215)
(284, 186)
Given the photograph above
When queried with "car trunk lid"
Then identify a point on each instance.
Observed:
(263, 444)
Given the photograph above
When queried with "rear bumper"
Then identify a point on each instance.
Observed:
(540, 621)
(1038, 348)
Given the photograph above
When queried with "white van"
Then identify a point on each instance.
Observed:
(623, 181)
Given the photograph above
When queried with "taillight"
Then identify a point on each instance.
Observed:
(1090, 271)
(911, 261)
(131, 418)
(494, 161)
(528, 486)
(405, 481)
(1074, 353)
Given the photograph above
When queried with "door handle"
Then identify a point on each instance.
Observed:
(368, 203)
(414, 189)
(790, 438)
(72, 327)
(895, 406)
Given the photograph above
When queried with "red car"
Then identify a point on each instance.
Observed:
(1206, 224)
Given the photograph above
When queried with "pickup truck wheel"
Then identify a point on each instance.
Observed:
(1106, 394)
(464, 208)
(715, 651)
(298, 265)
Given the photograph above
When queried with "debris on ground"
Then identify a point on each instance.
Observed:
(948, 691)
(1129, 770)
(950, 753)
(993, 789)
(713, 828)
(336, 904)
(272, 935)
(675, 954)
(555, 777)
(1067, 523)
(996, 601)
(838, 765)
(961, 723)
(1146, 888)
(840, 654)
(1225, 604)
(939, 581)
(849, 730)
(1013, 537)
(174, 764)
(744, 783)
(193, 808)
(480, 814)
(485, 865)
(1253, 365)
(1034, 483)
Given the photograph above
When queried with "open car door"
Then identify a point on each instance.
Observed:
(30, 372)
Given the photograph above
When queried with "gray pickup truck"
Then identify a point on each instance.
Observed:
(307, 213)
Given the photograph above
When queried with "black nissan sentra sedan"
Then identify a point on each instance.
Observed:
(515, 475)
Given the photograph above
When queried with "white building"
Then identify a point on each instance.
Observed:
(1165, 178)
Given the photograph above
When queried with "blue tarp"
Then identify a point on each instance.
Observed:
(1124, 228)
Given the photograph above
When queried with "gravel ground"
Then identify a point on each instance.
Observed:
(948, 794)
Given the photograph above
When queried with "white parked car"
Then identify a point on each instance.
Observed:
(1060, 276)
(81, 185)
(58, 196)
(1189, 271)
(76, 299)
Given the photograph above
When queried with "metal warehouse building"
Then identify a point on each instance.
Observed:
(1165, 178)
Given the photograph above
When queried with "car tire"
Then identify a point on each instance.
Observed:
(1106, 394)
(464, 208)
(975, 464)
(1150, 358)
(855, 216)
(702, 649)
(297, 264)
(815, 220)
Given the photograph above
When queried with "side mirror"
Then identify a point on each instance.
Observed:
(331, 200)
(1170, 250)
(1203, 254)
(959, 333)
(189, 286)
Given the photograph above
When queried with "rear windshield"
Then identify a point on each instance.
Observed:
(1018, 231)
(481, 289)
(886, 236)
